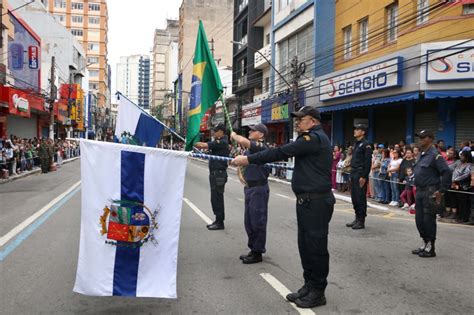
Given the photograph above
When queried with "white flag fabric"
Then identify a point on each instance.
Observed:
(130, 220)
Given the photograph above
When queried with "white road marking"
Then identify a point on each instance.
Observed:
(23, 225)
(280, 288)
(198, 212)
(286, 197)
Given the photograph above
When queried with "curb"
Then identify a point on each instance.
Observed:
(32, 172)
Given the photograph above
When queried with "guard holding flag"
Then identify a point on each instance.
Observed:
(217, 174)
(255, 179)
(311, 184)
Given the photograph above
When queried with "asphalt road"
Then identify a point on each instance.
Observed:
(372, 270)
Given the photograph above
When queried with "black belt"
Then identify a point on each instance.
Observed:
(217, 171)
(301, 198)
(426, 188)
(256, 183)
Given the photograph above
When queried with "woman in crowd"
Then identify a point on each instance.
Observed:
(383, 176)
(376, 163)
(346, 169)
(416, 152)
(407, 162)
(393, 169)
(339, 176)
(450, 197)
(461, 182)
(336, 156)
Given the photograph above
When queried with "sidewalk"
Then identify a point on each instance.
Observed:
(36, 170)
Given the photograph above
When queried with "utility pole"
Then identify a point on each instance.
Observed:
(52, 99)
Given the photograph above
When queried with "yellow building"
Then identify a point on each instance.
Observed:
(88, 21)
(400, 66)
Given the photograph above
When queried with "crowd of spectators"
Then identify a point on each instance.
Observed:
(19, 155)
(392, 180)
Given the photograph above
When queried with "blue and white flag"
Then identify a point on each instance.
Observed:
(130, 220)
(134, 120)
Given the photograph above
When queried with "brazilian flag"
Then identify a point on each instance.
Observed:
(206, 87)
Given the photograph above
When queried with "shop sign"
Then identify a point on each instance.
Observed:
(33, 57)
(450, 64)
(19, 104)
(279, 112)
(251, 114)
(372, 78)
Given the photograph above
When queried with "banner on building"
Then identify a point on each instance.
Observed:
(130, 220)
(450, 64)
(252, 114)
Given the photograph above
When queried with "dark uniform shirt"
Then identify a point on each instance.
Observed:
(313, 160)
(361, 159)
(431, 169)
(256, 173)
(218, 147)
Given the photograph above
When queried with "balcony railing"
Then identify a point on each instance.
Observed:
(260, 62)
(243, 5)
(242, 81)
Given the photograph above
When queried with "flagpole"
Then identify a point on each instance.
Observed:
(166, 127)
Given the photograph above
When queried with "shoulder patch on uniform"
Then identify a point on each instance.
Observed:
(259, 144)
(438, 156)
(368, 146)
(218, 141)
(307, 137)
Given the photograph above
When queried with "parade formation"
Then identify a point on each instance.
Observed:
(314, 149)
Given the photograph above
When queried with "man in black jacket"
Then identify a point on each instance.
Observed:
(311, 184)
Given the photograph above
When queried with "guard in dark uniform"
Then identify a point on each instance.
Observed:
(432, 179)
(311, 184)
(217, 174)
(360, 164)
(255, 179)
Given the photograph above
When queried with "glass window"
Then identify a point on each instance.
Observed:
(392, 16)
(60, 4)
(94, 20)
(468, 9)
(77, 32)
(422, 11)
(281, 4)
(347, 31)
(364, 35)
(77, 6)
(92, 60)
(93, 73)
(60, 17)
(77, 19)
(94, 7)
(93, 46)
(93, 86)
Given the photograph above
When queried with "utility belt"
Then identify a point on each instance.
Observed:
(432, 188)
(256, 183)
(217, 172)
(302, 198)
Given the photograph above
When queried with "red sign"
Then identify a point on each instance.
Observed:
(20, 102)
(33, 57)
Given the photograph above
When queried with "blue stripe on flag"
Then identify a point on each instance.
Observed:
(148, 130)
(126, 257)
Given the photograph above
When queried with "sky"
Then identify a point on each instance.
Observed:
(132, 25)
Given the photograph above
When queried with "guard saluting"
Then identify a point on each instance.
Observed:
(311, 184)
(360, 164)
(217, 174)
(432, 179)
(255, 179)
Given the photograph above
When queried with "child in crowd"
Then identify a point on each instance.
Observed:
(408, 194)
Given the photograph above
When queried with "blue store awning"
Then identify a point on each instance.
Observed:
(374, 101)
(449, 94)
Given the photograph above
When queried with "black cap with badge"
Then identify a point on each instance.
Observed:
(307, 111)
(425, 133)
(360, 127)
(220, 126)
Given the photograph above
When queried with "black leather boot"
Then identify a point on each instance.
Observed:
(218, 225)
(358, 225)
(303, 291)
(352, 223)
(312, 299)
(253, 258)
(242, 257)
(429, 250)
(420, 249)
(211, 224)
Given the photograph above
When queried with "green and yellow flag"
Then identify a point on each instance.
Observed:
(206, 87)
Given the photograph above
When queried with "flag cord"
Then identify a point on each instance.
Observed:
(228, 159)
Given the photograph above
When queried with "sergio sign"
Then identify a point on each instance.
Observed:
(375, 77)
(447, 64)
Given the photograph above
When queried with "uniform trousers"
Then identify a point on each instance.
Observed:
(255, 217)
(217, 180)
(425, 216)
(359, 197)
(313, 217)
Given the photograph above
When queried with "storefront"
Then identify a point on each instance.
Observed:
(400, 94)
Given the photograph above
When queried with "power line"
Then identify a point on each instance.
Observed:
(17, 8)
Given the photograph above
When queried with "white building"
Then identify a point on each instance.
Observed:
(133, 79)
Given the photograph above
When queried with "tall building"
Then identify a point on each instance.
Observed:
(165, 64)
(88, 21)
(133, 79)
(400, 67)
(216, 16)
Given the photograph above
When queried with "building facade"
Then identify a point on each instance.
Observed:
(217, 18)
(165, 65)
(400, 66)
(133, 79)
(87, 20)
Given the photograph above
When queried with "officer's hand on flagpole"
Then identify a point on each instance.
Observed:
(233, 135)
(240, 160)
